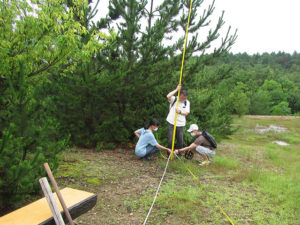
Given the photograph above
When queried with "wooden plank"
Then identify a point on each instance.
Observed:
(38, 212)
(57, 191)
(76, 210)
(51, 201)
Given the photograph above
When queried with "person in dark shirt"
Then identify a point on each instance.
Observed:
(200, 144)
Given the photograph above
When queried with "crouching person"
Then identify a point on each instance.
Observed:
(147, 144)
(200, 144)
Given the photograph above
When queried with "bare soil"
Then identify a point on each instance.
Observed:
(272, 117)
(129, 178)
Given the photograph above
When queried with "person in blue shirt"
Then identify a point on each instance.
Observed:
(147, 144)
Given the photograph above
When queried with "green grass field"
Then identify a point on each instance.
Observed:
(253, 179)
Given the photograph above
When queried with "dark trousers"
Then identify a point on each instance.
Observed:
(178, 136)
(150, 150)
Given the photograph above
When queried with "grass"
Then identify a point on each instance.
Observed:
(254, 180)
(261, 182)
(91, 172)
(226, 163)
(275, 174)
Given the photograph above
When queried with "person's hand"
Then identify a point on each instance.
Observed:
(178, 87)
(178, 110)
(176, 151)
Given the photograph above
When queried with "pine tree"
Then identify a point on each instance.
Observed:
(125, 84)
(143, 65)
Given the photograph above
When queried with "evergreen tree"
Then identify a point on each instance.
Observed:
(137, 70)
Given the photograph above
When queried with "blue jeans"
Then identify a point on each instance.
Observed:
(150, 150)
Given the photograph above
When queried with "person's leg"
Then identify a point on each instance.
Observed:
(170, 134)
(150, 150)
(205, 158)
(204, 152)
(179, 137)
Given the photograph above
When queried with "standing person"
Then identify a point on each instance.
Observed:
(147, 144)
(201, 144)
(182, 111)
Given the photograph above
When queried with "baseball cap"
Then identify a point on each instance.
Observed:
(193, 127)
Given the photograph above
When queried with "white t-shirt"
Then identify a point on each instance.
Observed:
(180, 118)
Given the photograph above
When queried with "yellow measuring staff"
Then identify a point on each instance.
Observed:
(174, 130)
(181, 71)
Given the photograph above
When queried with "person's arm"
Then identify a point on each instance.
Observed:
(137, 133)
(169, 96)
(163, 148)
(185, 111)
(188, 148)
(181, 112)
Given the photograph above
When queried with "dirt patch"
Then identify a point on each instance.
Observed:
(281, 143)
(262, 129)
(273, 117)
(132, 178)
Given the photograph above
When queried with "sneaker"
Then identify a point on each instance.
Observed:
(204, 163)
(147, 158)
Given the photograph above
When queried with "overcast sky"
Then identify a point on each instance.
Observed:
(263, 25)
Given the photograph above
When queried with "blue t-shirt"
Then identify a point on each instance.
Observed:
(146, 138)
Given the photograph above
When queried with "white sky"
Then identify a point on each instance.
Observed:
(263, 25)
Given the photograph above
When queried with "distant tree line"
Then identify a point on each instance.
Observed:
(264, 84)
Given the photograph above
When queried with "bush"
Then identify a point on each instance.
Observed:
(19, 177)
(110, 146)
(99, 146)
(281, 109)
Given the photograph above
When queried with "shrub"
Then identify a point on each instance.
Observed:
(19, 177)
(100, 146)
(110, 146)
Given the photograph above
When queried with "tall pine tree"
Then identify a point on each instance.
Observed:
(144, 62)
(125, 85)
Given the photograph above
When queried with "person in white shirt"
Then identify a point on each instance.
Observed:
(182, 111)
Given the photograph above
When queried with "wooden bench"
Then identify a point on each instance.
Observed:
(39, 213)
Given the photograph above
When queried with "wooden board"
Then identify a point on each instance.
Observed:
(39, 213)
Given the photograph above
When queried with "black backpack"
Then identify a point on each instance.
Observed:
(210, 138)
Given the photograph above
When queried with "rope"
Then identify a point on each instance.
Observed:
(196, 178)
(157, 190)
(181, 71)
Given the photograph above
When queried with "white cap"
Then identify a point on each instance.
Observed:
(193, 127)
